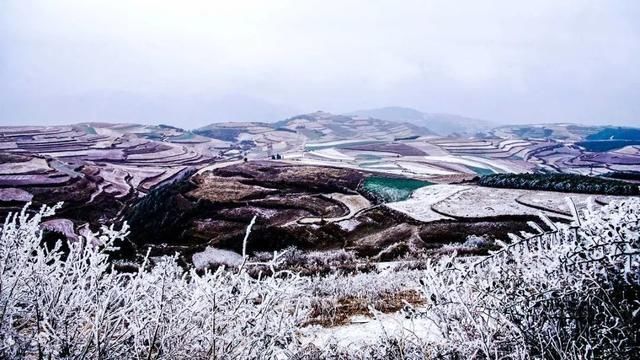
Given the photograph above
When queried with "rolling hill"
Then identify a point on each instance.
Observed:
(442, 124)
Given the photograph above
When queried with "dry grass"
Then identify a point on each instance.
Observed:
(336, 312)
(224, 189)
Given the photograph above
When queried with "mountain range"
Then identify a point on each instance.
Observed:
(442, 124)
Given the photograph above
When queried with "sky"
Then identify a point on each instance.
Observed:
(193, 62)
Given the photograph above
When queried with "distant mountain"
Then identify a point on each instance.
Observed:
(318, 127)
(443, 124)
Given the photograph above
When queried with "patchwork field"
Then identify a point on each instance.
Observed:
(382, 189)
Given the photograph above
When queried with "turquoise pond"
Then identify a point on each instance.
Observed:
(480, 170)
(388, 189)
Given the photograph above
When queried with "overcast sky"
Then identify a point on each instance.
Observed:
(190, 63)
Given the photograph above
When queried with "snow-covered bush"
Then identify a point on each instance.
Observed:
(75, 305)
(475, 241)
(309, 263)
(570, 293)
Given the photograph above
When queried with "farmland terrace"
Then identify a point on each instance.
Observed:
(316, 181)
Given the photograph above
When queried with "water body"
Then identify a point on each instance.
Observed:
(388, 189)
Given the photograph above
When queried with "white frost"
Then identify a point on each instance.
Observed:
(212, 256)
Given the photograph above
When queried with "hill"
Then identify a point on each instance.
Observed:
(319, 126)
(442, 124)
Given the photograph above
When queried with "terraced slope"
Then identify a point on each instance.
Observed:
(303, 177)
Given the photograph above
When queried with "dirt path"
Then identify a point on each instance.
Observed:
(355, 203)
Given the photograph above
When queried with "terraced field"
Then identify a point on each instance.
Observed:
(470, 202)
(336, 181)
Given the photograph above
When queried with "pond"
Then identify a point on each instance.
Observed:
(480, 170)
(388, 189)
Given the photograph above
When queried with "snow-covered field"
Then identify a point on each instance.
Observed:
(338, 142)
(35, 165)
(442, 201)
(332, 154)
(474, 161)
(419, 205)
(424, 169)
(478, 202)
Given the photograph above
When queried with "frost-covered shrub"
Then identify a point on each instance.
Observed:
(80, 307)
(475, 241)
(472, 246)
(571, 293)
(309, 263)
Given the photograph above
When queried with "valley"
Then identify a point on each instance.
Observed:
(318, 182)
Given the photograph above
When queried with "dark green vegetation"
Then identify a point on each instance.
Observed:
(616, 134)
(610, 139)
(560, 182)
(606, 145)
(226, 134)
(160, 215)
(406, 138)
(533, 132)
(165, 127)
(214, 209)
(285, 129)
(623, 175)
(388, 189)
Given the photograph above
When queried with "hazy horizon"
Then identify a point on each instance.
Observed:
(209, 61)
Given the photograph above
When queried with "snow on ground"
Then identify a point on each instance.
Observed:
(367, 331)
(557, 202)
(380, 154)
(331, 153)
(511, 142)
(218, 165)
(483, 202)
(428, 148)
(455, 160)
(482, 162)
(419, 205)
(508, 145)
(629, 150)
(98, 191)
(212, 256)
(117, 178)
(8, 145)
(474, 161)
(15, 194)
(292, 155)
(37, 165)
(348, 225)
(478, 202)
(463, 143)
(339, 142)
(458, 201)
(424, 169)
(265, 213)
(380, 165)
